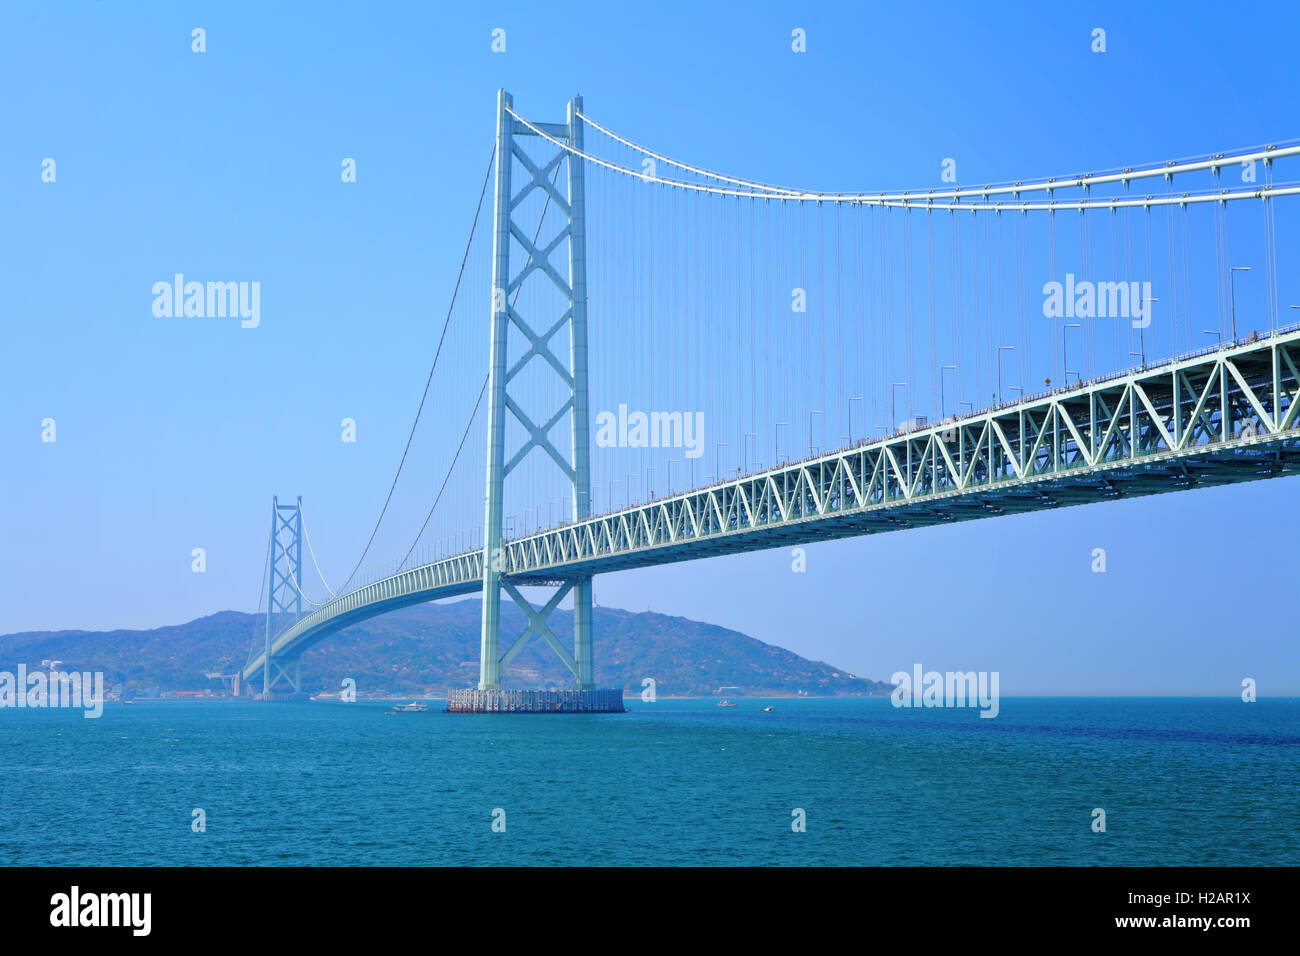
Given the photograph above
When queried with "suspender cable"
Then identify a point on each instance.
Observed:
(307, 537)
(1173, 272)
(446, 478)
(907, 313)
(934, 362)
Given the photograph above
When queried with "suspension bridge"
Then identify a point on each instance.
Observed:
(702, 318)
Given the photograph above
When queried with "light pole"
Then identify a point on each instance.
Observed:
(745, 453)
(943, 406)
(717, 459)
(893, 410)
(1214, 332)
(650, 481)
(815, 411)
(1232, 284)
(1065, 350)
(629, 488)
(855, 398)
(1001, 349)
(1142, 341)
(776, 439)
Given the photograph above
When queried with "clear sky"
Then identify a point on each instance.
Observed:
(226, 165)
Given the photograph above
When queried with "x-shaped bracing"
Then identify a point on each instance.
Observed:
(281, 673)
(537, 436)
(540, 178)
(537, 624)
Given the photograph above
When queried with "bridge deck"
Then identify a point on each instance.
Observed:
(1223, 415)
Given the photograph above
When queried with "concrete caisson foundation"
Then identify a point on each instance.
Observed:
(607, 701)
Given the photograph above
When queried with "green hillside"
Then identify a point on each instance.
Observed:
(430, 648)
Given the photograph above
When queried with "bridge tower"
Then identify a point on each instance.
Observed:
(284, 595)
(538, 330)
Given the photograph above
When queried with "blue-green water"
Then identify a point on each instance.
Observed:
(1182, 781)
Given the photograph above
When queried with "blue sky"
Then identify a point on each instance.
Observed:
(174, 435)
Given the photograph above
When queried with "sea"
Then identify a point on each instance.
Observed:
(839, 782)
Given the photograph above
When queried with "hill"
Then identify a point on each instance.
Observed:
(430, 648)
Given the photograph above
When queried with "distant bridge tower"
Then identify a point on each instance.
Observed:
(285, 592)
(538, 330)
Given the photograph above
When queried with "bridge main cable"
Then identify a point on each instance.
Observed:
(320, 574)
(481, 392)
(926, 199)
(428, 381)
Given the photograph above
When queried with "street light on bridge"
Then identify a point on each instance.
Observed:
(1001, 349)
(1065, 349)
(1232, 286)
(893, 409)
(1142, 340)
(943, 405)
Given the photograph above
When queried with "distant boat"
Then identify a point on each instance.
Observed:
(414, 707)
(768, 709)
(726, 703)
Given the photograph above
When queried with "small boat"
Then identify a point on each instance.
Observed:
(768, 709)
(726, 703)
(414, 707)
